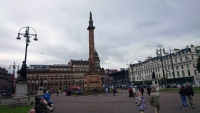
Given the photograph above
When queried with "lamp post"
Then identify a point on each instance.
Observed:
(172, 66)
(159, 51)
(13, 65)
(126, 74)
(27, 36)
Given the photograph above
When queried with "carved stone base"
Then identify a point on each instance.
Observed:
(155, 82)
(41, 91)
(93, 81)
(21, 89)
(20, 101)
(21, 98)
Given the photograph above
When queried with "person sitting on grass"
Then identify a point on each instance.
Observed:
(43, 100)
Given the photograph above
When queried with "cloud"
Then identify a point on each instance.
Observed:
(126, 31)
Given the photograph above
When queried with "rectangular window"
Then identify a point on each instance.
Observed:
(175, 60)
(188, 66)
(188, 72)
(183, 73)
(182, 67)
(192, 57)
(169, 74)
(194, 65)
(180, 59)
(178, 74)
(195, 72)
(176, 67)
(166, 75)
(186, 58)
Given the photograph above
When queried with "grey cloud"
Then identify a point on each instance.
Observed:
(146, 24)
(126, 31)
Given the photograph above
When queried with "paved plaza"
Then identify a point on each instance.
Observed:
(170, 103)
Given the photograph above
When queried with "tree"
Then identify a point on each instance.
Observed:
(198, 65)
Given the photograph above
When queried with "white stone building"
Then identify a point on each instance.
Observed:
(184, 62)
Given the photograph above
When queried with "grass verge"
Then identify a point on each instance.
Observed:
(18, 109)
(196, 90)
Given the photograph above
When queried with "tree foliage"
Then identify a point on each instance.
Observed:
(198, 65)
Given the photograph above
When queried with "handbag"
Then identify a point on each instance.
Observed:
(139, 102)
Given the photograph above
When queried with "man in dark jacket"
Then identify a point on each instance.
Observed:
(95, 92)
(141, 89)
(149, 90)
(190, 94)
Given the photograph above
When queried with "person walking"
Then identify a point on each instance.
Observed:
(95, 92)
(149, 90)
(134, 91)
(155, 100)
(57, 92)
(141, 102)
(114, 90)
(106, 91)
(182, 93)
(190, 94)
(130, 91)
(141, 89)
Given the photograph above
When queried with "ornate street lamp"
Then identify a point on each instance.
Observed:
(27, 36)
(159, 51)
(13, 65)
(172, 66)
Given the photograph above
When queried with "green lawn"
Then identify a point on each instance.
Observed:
(196, 89)
(32, 95)
(19, 109)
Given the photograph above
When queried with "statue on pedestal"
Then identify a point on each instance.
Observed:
(23, 71)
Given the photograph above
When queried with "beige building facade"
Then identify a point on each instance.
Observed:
(184, 64)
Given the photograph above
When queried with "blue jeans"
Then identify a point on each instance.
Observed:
(106, 93)
(114, 93)
(184, 102)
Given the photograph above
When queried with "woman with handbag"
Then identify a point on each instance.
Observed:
(141, 102)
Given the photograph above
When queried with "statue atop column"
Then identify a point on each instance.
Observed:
(23, 71)
(90, 15)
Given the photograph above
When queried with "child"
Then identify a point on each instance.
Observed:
(141, 102)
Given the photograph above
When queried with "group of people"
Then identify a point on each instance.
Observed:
(187, 91)
(154, 98)
(41, 103)
(114, 89)
(131, 92)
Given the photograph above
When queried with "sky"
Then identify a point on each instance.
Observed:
(127, 31)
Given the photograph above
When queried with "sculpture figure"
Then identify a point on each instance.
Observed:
(90, 16)
(23, 71)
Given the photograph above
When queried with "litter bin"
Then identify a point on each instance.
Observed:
(66, 94)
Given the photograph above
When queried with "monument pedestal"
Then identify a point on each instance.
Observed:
(21, 97)
(155, 82)
(41, 90)
(93, 80)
